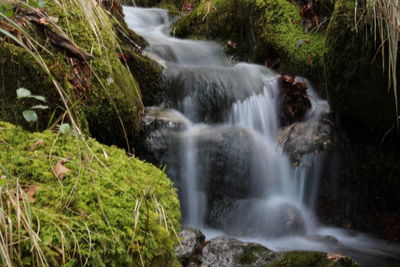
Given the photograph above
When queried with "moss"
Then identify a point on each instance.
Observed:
(149, 77)
(251, 254)
(356, 82)
(263, 31)
(310, 259)
(248, 258)
(95, 206)
(103, 93)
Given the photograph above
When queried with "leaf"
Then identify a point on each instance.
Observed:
(3, 180)
(31, 192)
(37, 3)
(59, 170)
(41, 4)
(37, 144)
(43, 21)
(22, 93)
(7, 9)
(38, 97)
(39, 107)
(30, 115)
(335, 257)
(65, 128)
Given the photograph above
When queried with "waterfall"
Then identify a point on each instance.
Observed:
(238, 102)
(231, 172)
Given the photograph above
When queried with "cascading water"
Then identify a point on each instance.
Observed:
(230, 170)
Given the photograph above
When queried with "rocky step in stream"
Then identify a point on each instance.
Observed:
(223, 251)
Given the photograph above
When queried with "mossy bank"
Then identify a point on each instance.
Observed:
(106, 210)
(104, 93)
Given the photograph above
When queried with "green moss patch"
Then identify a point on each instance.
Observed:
(311, 259)
(108, 210)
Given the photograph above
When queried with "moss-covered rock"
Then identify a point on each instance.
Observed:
(225, 251)
(148, 73)
(102, 91)
(107, 210)
(357, 84)
(311, 259)
(264, 31)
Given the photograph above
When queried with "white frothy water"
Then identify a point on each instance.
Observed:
(275, 203)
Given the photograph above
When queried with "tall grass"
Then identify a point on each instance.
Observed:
(16, 227)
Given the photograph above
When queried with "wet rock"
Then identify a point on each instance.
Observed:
(292, 221)
(310, 137)
(191, 244)
(326, 239)
(225, 251)
(207, 93)
(273, 219)
(158, 135)
(158, 118)
(224, 158)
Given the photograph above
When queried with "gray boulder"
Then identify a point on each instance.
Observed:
(191, 244)
(228, 252)
(158, 118)
(309, 137)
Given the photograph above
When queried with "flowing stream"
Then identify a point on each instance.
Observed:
(232, 175)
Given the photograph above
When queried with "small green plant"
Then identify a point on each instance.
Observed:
(64, 128)
(30, 114)
(37, 3)
(7, 9)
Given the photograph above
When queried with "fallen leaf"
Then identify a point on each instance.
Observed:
(335, 257)
(54, 19)
(31, 192)
(37, 144)
(43, 21)
(59, 170)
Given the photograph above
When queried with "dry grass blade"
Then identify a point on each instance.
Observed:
(16, 227)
